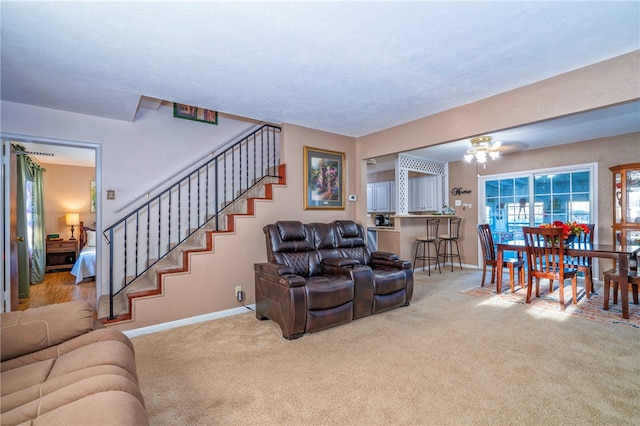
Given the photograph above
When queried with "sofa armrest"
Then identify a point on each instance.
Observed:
(340, 262)
(34, 329)
(384, 255)
(273, 268)
(389, 259)
(276, 273)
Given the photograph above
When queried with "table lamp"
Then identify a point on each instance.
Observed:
(72, 219)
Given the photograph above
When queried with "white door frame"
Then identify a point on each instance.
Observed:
(7, 138)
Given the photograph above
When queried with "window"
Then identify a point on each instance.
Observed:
(564, 194)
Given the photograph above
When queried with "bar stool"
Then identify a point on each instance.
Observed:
(448, 240)
(425, 241)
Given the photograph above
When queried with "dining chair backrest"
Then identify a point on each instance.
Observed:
(545, 251)
(633, 262)
(486, 242)
(432, 228)
(585, 238)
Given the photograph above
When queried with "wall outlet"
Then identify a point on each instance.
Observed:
(239, 294)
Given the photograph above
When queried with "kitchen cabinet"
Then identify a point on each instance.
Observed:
(380, 197)
(424, 194)
(626, 204)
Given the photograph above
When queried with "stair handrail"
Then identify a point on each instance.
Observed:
(203, 158)
(186, 177)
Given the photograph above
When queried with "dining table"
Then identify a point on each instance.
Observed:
(620, 253)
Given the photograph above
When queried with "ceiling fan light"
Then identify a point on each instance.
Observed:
(482, 147)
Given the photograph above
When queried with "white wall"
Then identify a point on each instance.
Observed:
(136, 156)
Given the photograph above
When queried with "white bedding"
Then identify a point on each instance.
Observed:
(85, 266)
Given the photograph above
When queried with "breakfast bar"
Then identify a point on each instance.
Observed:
(401, 236)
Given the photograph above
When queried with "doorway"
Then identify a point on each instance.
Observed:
(74, 171)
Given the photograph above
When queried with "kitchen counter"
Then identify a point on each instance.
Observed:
(401, 237)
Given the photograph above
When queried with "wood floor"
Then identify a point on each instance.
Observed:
(59, 287)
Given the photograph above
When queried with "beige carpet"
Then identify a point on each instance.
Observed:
(449, 358)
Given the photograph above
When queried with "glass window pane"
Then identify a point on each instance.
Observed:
(561, 183)
(580, 182)
(542, 184)
(522, 187)
(506, 187)
(491, 188)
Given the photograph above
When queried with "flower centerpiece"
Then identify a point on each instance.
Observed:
(569, 229)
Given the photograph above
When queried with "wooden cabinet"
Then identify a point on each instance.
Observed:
(424, 194)
(380, 197)
(626, 204)
(61, 255)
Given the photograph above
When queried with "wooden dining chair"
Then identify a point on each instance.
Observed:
(545, 259)
(613, 276)
(583, 263)
(489, 259)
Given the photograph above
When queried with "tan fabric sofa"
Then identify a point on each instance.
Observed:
(60, 367)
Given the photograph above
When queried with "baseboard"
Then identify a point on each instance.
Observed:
(187, 321)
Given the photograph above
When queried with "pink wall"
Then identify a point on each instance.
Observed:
(66, 190)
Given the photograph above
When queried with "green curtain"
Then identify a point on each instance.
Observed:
(23, 175)
(38, 254)
(31, 253)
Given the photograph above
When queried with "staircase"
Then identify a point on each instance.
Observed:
(158, 237)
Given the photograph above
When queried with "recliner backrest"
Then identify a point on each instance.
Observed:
(351, 241)
(291, 243)
(325, 241)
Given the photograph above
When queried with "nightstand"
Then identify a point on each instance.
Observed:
(61, 255)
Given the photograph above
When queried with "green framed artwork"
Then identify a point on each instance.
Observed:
(189, 112)
(92, 196)
(324, 179)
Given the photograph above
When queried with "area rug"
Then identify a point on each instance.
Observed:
(591, 308)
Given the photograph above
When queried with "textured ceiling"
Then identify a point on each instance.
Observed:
(350, 68)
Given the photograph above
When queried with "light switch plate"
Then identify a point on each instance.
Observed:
(458, 203)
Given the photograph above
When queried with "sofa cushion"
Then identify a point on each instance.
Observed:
(70, 394)
(388, 280)
(28, 331)
(328, 291)
(347, 228)
(97, 410)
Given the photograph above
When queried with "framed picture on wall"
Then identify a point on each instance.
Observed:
(324, 179)
(189, 112)
(92, 196)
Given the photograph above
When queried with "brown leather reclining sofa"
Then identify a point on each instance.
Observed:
(319, 275)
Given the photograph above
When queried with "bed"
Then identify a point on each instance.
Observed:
(85, 266)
